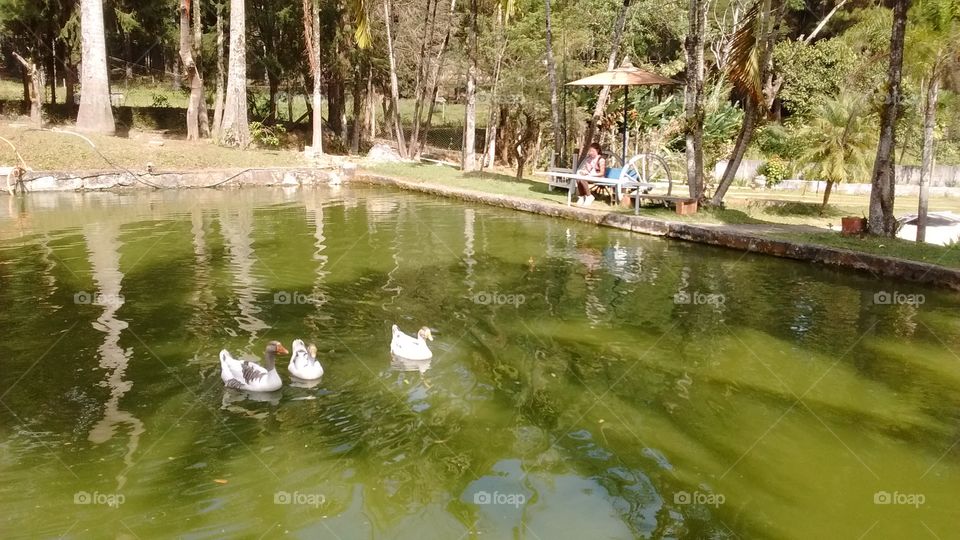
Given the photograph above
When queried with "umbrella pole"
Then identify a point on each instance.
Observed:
(626, 93)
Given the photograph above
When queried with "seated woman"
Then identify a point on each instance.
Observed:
(592, 165)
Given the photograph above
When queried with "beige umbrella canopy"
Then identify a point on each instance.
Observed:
(626, 76)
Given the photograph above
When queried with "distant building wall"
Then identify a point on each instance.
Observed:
(943, 175)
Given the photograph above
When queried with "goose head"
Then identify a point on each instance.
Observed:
(424, 333)
(273, 349)
(312, 349)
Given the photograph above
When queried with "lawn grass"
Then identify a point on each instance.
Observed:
(889, 247)
(53, 151)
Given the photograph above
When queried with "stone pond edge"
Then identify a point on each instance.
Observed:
(877, 265)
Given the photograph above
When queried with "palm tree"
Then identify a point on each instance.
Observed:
(95, 113)
(235, 128)
(882, 221)
(932, 48)
(838, 143)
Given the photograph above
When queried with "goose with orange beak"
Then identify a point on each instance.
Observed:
(251, 376)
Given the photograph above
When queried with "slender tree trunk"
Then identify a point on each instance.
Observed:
(235, 130)
(193, 73)
(435, 83)
(605, 91)
(203, 114)
(394, 84)
(559, 144)
(469, 162)
(753, 109)
(423, 65)
(95, 113)
(370, 107)
(926, 167)
(219, 96)
(693, 97)
(311, 34)
(53, 71)
(826, 196)
(882, 220)
(490, 134)
(357, 114)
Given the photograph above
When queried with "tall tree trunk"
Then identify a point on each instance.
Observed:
(219, 96)
(235, 130)
(53, 70)
(394, 84)
(605, 91)
(204, 115)
(559, 143)
(693, 97)
(311, 34)
(926, 167)
(358, 88)
(192, 72)
(95, 113)
(370, 107)
(881, 220)
(34, 90)
(469, 161)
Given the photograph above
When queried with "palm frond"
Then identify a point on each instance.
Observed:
(743, 68)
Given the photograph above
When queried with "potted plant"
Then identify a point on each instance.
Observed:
(852, 225)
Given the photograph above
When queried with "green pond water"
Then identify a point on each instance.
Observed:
(586, 383)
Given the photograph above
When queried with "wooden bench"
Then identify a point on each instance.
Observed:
(684, 205)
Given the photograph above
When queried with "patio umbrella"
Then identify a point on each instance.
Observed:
(626, 76)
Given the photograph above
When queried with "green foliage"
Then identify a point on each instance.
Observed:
(775, 169)
(812, 73)
(840, 141)
(267, 136)
(159, 100)
(778, 140)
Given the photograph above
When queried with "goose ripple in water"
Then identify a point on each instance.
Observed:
(410, 348)
(303, 362)
(247, 375)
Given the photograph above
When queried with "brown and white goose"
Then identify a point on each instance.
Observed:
(247, 375)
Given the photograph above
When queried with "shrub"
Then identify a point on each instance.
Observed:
(775, 170)
(267, 136)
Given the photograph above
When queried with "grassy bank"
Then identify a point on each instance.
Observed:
(55, 151)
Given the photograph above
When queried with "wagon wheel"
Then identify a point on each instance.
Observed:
(648, 168)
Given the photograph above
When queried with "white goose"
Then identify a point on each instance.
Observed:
(303, 361)
(410, 348)
(246, 375)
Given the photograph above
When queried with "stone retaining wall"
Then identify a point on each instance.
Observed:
(119, 180)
